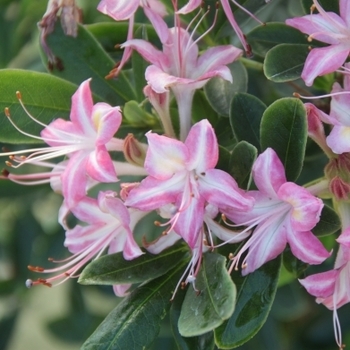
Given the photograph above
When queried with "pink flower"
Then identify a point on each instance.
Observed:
(85, 139)
(283, 213)
(331, 288)
(109, 224)
(329, 28)
(180, 68)
(182, 175)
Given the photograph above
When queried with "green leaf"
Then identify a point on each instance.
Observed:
(224, 159)
(135, 322)
(201, 342)
(329, 222)
(137, 117)
(264, 38)
(202, 312)
(82, 58)
(285, 62)
(245, 117)
(284, 128)
(256, 293)
(242, 159)
(114, 269)
(220, 92)
(46, 98)
(293, 265)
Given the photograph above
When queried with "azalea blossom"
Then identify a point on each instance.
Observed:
(330, 28)
(182, 174)
(121, 10)
(109, 225)
(179, 67)
(85, 139)
(283, 213)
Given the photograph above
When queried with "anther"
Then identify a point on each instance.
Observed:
(50, 259)
(164, 233)
(29, 283)
(157, 223)
(203, 173)
(231, 256)
(5, 172)
(18, 95)
(35, 268)
(183, 285)
(8, 163)
(7, 112)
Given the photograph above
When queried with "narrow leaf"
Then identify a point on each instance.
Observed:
(329, 222)
(135, 322)
(256, 293)
(220, 92)
(245, 117)
(285, 62)
(114, 269)
(205, 310)
(284, 128)
(46, 97)
(242, 159)
(82, 58)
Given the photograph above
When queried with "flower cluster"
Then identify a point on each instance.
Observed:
(174, 167)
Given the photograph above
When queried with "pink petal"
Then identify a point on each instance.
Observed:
(81, 110)
(214, 58)
(118, 9)
(61, 133)
(109, 203)
(106, 120)
(157, 7)
(306, 208)
(202, 146)
(158, 23)
(190, 222)
(121, 290)
(339, 139)
(153, 193)
(221, 190)
(268, 173)
(165, 156)
(320, 285)
(163, 242)
(344, 10)
(306, 247)
(100, 167)
(340, 105)
(321, 61)
(190, 6)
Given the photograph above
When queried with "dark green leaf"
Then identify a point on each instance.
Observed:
(220, 92)
(114, 269)
(264, 38)
(135, 322)
(292, 264)
(285, 62)
(329, 222)
(242, 159)
(205, 310)
(224, 159)
(202, 342)
(245, 117)
(256, 293)
(136, 116)
(82, 58)
(46, 98)
(284, 128)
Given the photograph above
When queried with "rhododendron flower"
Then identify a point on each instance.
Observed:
(329, 28)
(283, 213)
(109, 225)
(183, 174)
(180, 68)
(331, 288)
(85, 139)
(121, 10)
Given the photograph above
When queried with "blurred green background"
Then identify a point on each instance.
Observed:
(64, 316)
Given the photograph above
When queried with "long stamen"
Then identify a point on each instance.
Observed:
(248, 12)
(295, 94)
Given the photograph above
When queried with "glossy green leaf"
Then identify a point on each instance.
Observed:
(242, 159)
(224, 159)
(293, 265)
(114, 269)
(135, 322)
(256, 293)
(245, 117)
(284, 128)
(46, 97)
(201, 342)
(220, 92)
(264, 38)
(205, 310)
(329, 222)
(82, 58)
(285, 62)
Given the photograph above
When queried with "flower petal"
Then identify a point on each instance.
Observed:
(119, 10)
(339, 139)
